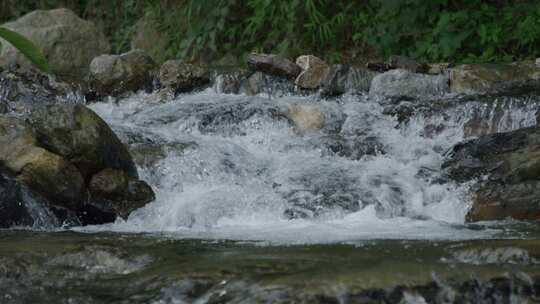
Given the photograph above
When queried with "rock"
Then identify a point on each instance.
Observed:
(117, 74)
(182, 77)
(81, 137)
(68, 42)
(492, 78)
(274, 86)
(306, 117)
(273, 65)
(341, 79)
(43, 171)
(314, 70)
(402, 83)
(511, 162)
(150, 39)
(229, 82)
(55, 178)
(114, 192)
(537, 62)
(21, 89)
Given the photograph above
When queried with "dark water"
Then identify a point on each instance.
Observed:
(69, 267)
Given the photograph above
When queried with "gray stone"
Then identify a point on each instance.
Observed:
(182, 77)
(117, 74)
(68, 42)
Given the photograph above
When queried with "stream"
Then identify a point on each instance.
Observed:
(288, 199)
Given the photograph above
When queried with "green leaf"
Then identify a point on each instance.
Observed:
(26, 47)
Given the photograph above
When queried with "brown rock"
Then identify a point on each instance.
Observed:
(314, 71)
(273, 65)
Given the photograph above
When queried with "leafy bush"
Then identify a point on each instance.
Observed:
(434, 30)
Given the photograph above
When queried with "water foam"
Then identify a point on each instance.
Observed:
(245, 166)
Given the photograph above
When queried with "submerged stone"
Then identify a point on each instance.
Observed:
(341, 79)
(402, 83)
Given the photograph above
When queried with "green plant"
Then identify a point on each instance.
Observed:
(26, 47)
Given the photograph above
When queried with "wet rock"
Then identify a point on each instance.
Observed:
(506, 165)
(274, 86)
(114, 192)
(306, 117)
(493, 78)
(341, 79)
(117, 74)
(150, 39)
(81, 137)
(21, 89)
(230, 82)
(55, 178)
(182, 77)
(67, 41)
(13, 212)
(402, 83)
(41, 170)
(537, 62)
(273, 64)
(314, 70)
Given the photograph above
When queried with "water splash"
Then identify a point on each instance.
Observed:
(232, 166)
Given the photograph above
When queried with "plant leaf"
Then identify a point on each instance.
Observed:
(26, 47)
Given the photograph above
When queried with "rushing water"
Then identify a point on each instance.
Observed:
(236, 167)
(358, 191)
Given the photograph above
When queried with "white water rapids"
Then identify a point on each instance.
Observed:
(232, 167)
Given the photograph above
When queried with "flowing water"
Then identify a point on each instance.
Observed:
(255, 204)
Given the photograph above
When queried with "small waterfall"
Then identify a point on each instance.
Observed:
(240, 167)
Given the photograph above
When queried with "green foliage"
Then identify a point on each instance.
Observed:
(26, 47)
(429, 30)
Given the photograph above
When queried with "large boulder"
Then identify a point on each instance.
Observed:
(402, 83)
(507, 167)
(65, 158)
(493, 78)
(117, 74)
(182, 77)
(43, 171)
(273, 65)
(82, 137)
(314, 70)
(68, 42)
